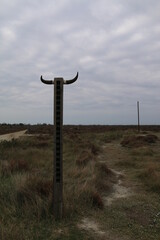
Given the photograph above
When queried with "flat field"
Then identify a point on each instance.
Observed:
(111, 184)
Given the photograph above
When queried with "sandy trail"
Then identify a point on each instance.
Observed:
(112, 153)
(10, 136)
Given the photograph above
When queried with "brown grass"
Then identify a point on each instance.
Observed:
(28, 187)
(88, 152)
(150, 175)
(126, 164)
(83, 158)
(9, 167)
(96, 200)
(93, 148)
(40, 141)
(104, 178)
(142, 151)
(138, 140)
(38, 185)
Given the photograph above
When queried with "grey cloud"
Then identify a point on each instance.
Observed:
(114, 46)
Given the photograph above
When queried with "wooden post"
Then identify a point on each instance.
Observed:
(58, 144)
(138, 116)
(58, 149)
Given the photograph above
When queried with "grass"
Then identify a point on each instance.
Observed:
(26, 176)
(134, 218)
(150, 175)
(26, 173)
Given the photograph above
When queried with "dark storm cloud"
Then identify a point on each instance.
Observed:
(113, 44)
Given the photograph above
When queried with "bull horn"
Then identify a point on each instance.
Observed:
(71, 81)
(47, 81)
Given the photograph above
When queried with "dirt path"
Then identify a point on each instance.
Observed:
(112, 154)
(10, 136)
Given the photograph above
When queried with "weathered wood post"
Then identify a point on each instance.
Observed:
(58, 143)
(138, 116)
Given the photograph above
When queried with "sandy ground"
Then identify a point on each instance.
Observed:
(10, 136)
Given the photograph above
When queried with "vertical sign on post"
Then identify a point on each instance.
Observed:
(58, 143)
(138, 116)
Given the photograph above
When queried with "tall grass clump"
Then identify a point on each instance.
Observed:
(104, 177)
(33, 195)
(150, 176)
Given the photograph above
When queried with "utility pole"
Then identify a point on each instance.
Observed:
(58, 144)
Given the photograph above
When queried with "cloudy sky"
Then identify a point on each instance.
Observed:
(113, 44)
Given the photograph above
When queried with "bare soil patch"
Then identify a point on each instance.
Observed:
(119, 186)
(119, 191)
(91, 225)
(10, 136)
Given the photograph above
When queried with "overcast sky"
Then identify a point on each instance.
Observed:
(113, 44)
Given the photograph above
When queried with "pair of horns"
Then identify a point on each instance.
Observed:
(64, 81)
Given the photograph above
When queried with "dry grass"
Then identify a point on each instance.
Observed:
(12, 166)
(90, 178)
(27, 185)
(84, 157)
(150, 175)
(96, 200)
(142, 151)
(87, 151)
(138, 140)
(32, 196)
(104, 177)
(26, 198)
(127, 164)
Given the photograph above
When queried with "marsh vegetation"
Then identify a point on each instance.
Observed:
(98, 161)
